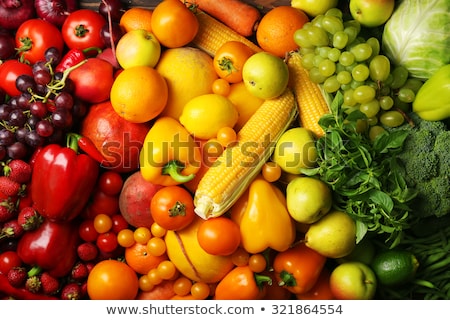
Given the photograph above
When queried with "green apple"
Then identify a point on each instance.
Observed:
(308, 199)
(138, 48)
(371, 13)
(313, 7)
(265, 75)
(353, 281)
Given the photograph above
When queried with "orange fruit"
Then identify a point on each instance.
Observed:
(275, 33)
(140, 260)
(136, 18)
(139, 94)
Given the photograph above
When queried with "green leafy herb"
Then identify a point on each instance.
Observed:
(363, 174)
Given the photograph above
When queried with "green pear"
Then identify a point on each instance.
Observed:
(333, 236)
(308, 199)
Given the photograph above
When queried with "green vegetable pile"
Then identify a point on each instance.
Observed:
(426, 161)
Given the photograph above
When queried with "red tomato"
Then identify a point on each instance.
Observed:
(112, 280)
(34, 37)
(86, 80)
(87, 231)
(9, 260)
(172, 208)
(82, 29)
(107, 242)
(229, 60)
(103, 203)
(219, 236)
(10, 70)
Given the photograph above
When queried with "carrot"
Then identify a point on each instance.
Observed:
(236, 14)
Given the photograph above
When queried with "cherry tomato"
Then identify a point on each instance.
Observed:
(102, 223)
(34, 37)
(271, 171)
(112, 280)
(226, 136)
(172, 208)
(10, 70)
(110, 183)
(87, 231)
(107, 242)
(9, 260)
(221, 86)
(102, 203)
(119, 223)
(229, 60)
(82, 29)
(219, 236)
(125, 238)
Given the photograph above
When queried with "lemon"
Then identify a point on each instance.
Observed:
(394, 267)
(204, 115)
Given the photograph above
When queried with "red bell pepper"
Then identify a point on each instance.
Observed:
(52, 247)
(62, 180)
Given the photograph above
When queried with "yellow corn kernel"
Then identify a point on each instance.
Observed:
(212, 34)
(240, 163)
(310, 100)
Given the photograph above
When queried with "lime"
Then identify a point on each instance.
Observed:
(394, 267)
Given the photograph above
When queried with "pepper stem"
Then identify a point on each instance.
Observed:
(72, 141)
(34, 271)
(262, 279)
(173, 169)
(287, 279)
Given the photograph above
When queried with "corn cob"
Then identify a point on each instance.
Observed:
(240, 163)
(212, 34)
(309, 96)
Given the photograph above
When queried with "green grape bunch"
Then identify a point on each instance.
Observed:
(339, 58)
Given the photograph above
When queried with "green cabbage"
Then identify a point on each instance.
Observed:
(417, 36)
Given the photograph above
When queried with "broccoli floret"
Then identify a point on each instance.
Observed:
(426, 160)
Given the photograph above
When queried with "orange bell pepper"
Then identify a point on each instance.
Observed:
(241, 284)
(264, 222)
(169, 156)
(298, 268)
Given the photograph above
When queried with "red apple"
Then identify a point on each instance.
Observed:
(119, 140)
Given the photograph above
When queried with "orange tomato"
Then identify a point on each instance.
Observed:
(174, 24)
(112, 280)
(219, 236)
(172, 207)
(140, 260)
(230, 58)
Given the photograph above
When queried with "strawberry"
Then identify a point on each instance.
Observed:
(11, 229)
(7, 211)
(33, 284)
(71, 291)
(18, 170)
(9, 187)
(79, 271)
(87, 251)
(17, 276)
(29, 218)
(49, 284)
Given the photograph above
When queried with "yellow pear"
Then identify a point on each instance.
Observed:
(333, 236)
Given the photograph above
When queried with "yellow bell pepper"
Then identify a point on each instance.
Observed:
(264, 219)
(169, 155)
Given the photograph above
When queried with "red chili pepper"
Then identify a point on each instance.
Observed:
(62, 180)
(20, 293)
(73, 57)
(90, 149)
(52, 247)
